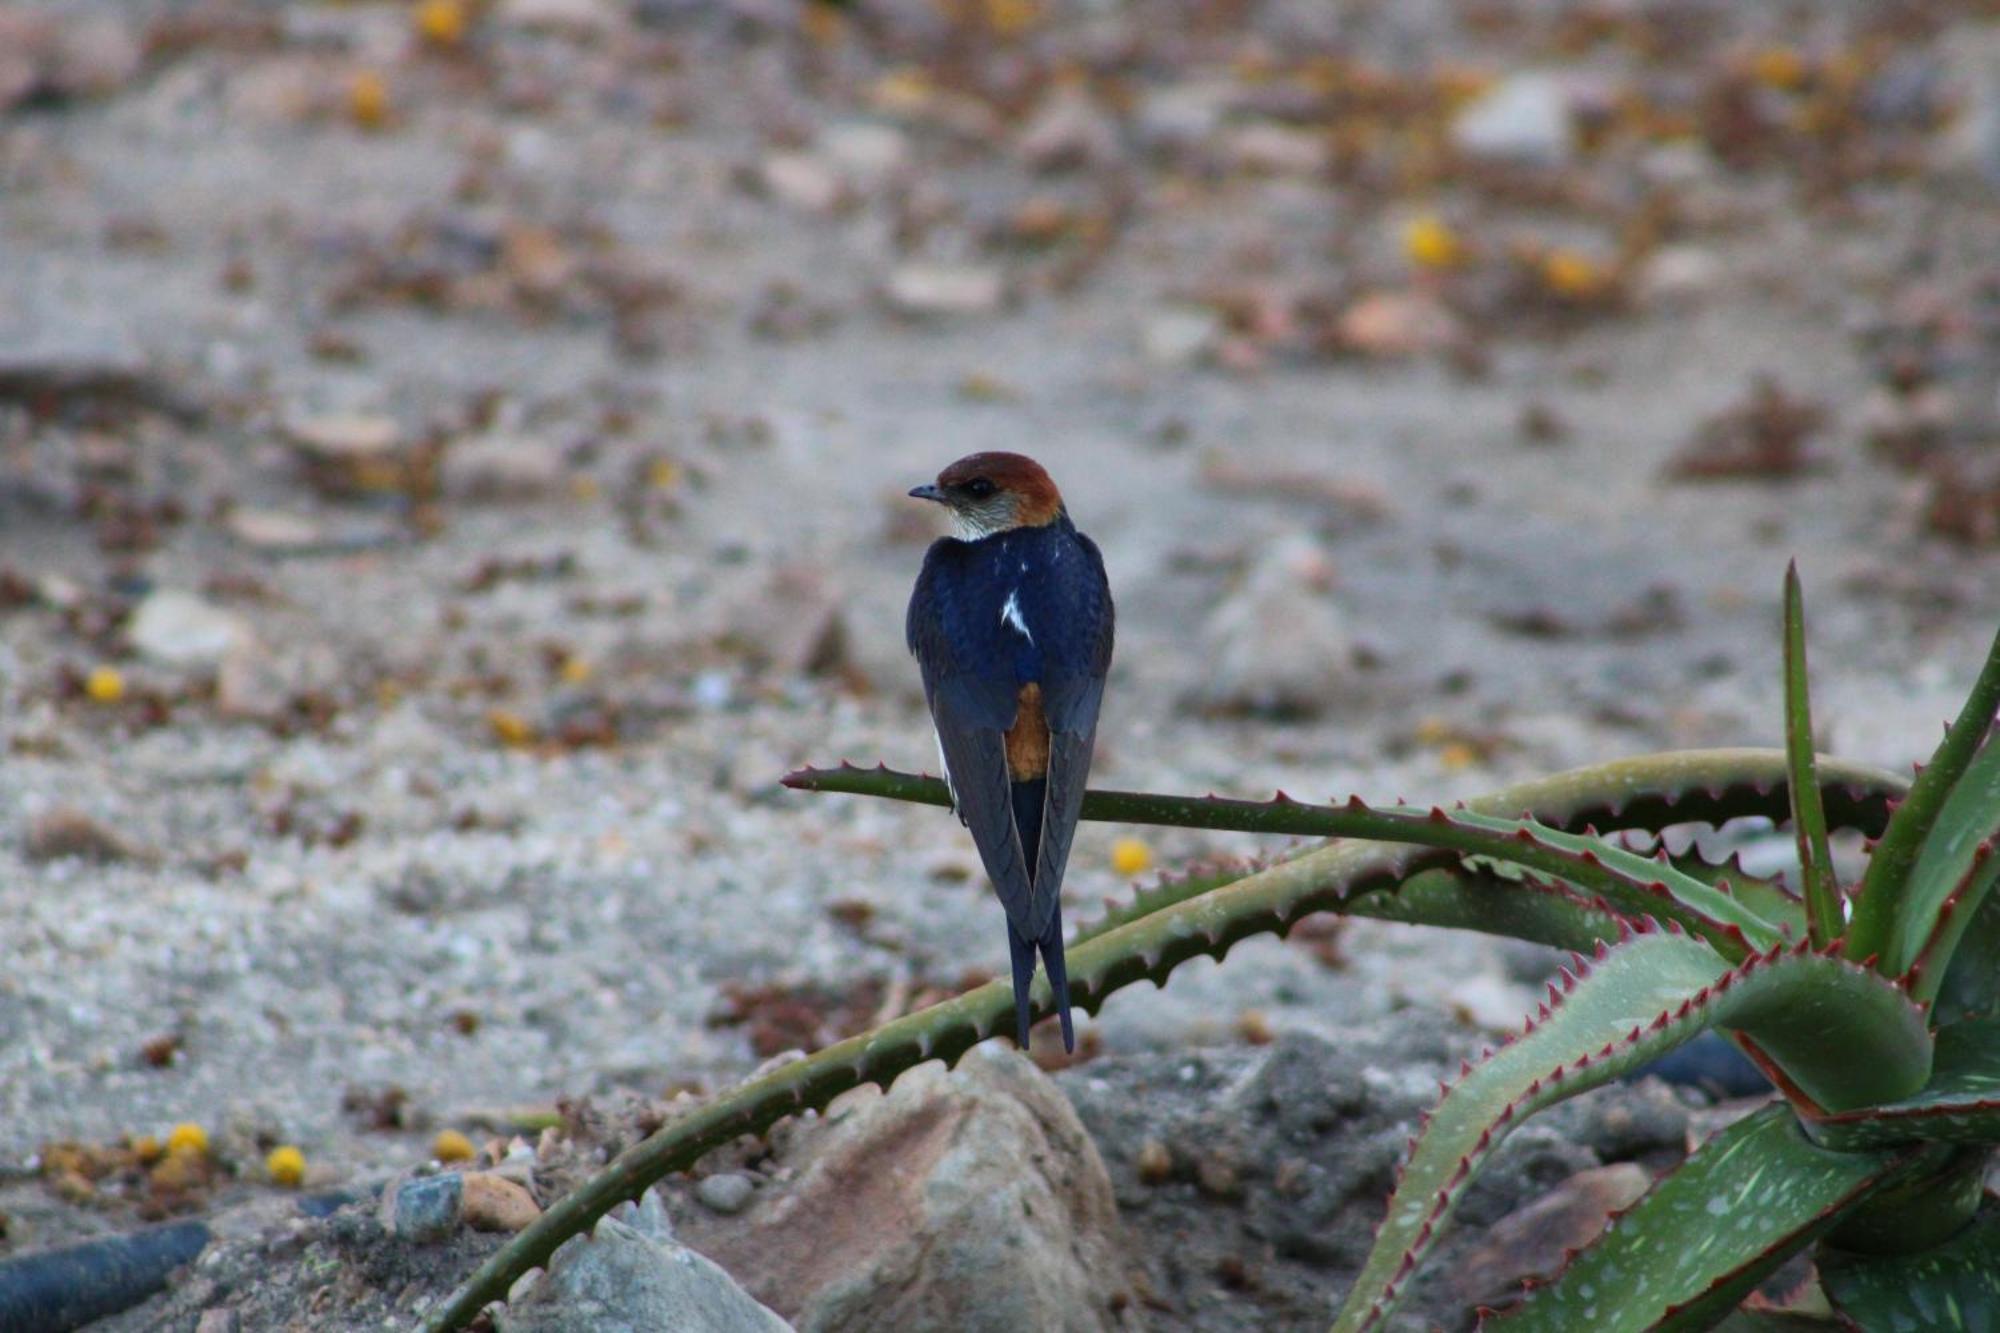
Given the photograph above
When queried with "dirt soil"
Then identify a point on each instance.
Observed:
(451, 467)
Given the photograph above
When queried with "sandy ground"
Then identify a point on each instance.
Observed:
(484, 807)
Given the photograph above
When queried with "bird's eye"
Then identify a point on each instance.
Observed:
(979, 488)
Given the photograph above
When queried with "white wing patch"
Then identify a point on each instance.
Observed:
(944, 767)
(1010, 614)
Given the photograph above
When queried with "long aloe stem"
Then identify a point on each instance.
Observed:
(1648, 793)
(1823, 916)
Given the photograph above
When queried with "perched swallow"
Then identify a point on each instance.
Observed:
(1011, 624)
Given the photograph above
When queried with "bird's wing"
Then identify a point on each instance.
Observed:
(972, 704)
(1071, 698)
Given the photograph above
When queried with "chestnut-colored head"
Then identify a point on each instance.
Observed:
(992, 492)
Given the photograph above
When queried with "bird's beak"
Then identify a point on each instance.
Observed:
(927, 492)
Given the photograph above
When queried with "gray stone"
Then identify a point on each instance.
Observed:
(1278, 643)
(424, 1208)
(1524, 118)
(1972, 145)
(726, 1192)
(631, 1276)
(502, 468)
(936, 290)
(1180, 335)
(970, 1200)
(1069, 131)
(806, 182)
(866, 154)
(180, 629)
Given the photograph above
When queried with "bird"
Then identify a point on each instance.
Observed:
(1011, 623)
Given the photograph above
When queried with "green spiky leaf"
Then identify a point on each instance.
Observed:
(1960, 1103)
(1953, 874)
(1883, 886)
(1703, 1237)
(1951, 1288)
(1837, 1030)
(1822, 891)
(1970, 987)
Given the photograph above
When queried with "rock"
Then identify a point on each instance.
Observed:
(938, 290)
(1180, 117)
(631, 1275)
(1180, 335)
(925, 1209)
(1068, 132)
(501, 468)
(424, 1208)
(66, 832)
(791, 622)
(41, 56)
(489, 1202)
(1530, 1241)
(1524, 119)
(1278, 643)
(180, 629)
(1277, 150)
(868, 155)
(219, 1321)
(802, 181)
(1972, 144)
(1676, 274)
(1397, 324)
(352, 454)
(251, 685)
(726, 1192)
(274, 531)
(567, 18)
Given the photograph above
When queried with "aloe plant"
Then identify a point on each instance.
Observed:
(1874, 1009)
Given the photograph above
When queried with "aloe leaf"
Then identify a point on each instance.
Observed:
(1953, 873)
(1954, 1286)
(1838, 1030)
(1707, 1233)
(1970, 987)
(1472, 898)
(1895, 855)
(1960, 1103)
(1822, 891)
(1631, 883)
(1766, 895)
(1645, 792)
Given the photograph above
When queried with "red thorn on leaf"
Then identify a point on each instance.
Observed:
(1438, 816)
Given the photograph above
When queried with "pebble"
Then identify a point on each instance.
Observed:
(67, 832)
(1068, 132)
(502, 468)
(806, 182)
(491, 1203)
(274, 531)
(1277, 150)
(867, 154)
(179, 629)
(1523, 119)
(1180, 335)
(425, 1208)
(726, 1192)
(934, 290)
(1397, 324)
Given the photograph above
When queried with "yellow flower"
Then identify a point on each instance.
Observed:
(1455, 755)
(187, 1137)
(1779, 67)
(1431, 243)
(575, 670)
(441, 22)
(368, 100)
(1130, 856)
(510, 728)
(286, 1166)
(104, 685)
(451, 1146)
(1573, 276)
(1011, 18)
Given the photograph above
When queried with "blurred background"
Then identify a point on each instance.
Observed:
(453, 456)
